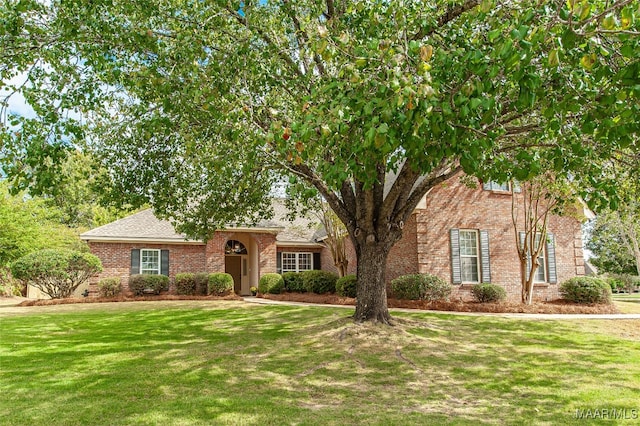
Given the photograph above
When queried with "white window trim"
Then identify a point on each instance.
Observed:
(477, 256)
(297, 255)
(157, 271)
(512, 186)
(545, 263)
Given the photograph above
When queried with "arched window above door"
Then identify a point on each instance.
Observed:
(235, 247)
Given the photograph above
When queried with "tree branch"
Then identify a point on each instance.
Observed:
(331, 9)
(453, 13)
(265, 37)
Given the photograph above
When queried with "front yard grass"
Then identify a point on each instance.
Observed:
(627, 303)
(197, 363)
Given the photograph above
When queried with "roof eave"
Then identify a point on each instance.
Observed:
(298, 244)
(150, 240)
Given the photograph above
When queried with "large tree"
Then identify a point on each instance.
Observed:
(614, 235)
(197, 106)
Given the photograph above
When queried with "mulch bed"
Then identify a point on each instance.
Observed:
(47, 302)
(553, 307)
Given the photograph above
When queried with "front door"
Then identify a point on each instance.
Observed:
(233, 267)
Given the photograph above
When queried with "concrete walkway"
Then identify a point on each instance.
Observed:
(502, 315)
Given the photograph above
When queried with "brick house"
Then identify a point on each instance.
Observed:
(461, 234)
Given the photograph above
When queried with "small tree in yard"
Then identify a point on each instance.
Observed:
(530, 209)
(57, 273)
(336, 238)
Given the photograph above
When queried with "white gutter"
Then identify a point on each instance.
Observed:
(150, 240)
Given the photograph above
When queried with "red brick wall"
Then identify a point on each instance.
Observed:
(116, 259)
(265, 242)
(403, 257)
(326, 259)
(454, 205)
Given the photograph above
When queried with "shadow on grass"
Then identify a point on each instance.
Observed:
(281, 365)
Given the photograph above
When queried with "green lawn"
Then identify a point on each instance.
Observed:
(627, 303)
(192, 363)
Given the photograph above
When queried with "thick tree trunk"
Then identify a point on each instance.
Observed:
(372, 293)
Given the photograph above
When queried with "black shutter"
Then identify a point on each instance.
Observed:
(484, 256)
(456, 272)
(551, 259)
(316, 261)
(135, 261)
(164, 262)
(279, 262)
(528, 266)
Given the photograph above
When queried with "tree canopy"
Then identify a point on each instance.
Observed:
(197, 107)
(28, 224)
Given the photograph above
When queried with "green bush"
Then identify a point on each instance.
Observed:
(319, 282)
(201, 280)
(420, 287)
(142, 284)
(56, 272)
(347, 286)
(110, 287)
(488, 293)
(615, 284)
(586, 290)
(623, 282)
(271, 283)
(220, 284)
(293, 282)
(185, 283)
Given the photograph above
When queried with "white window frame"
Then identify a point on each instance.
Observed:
(467, 256)
(509, 186)
(149, 271)
(297, 256)
(542, 260)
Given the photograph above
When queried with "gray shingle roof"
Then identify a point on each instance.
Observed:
(145, 225)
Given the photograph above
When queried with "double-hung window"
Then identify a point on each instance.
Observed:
(546, 271)
(541, 272)
(296, 262)
(150, 261)
(470, 256)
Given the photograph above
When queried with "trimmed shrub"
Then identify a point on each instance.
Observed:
(56, 272)
(110, 287)
(347, 286)
(488, 293)
(420, 287)
(319, 282)
(271, 283)
(220, 284)
(185, 284)
(142, 284)
(293, 282)
(586, 290)
(201, 280)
